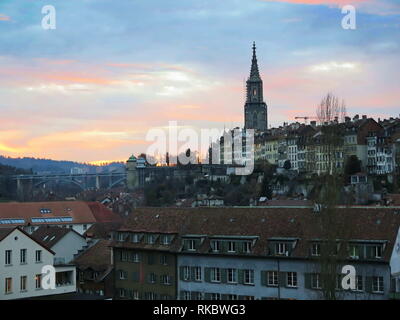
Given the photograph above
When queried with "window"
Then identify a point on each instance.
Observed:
(281, 248)
(124, 255)
(166, 279)
(135, 295)
(316, 281)
(23, 281)
(164, 259)
(377, 284)
(215, 246)
(38, 256)
(231, 297)
(377, 252)
(197, 296)
(232, 276)
(122, 275)
(231, 246)
(135, 238)
(191, 245)
(166, 240)
(186, 273)
(135, 257)
(316, 249)
(215, 296)
(8, 286)
(8, 258)
(291, 280)
(247, 246)
(151, 239)
(38, 281)
(23, 256)
(354, 252)
(215, 275)
(359, 283)
(197, 273)
(152, 278)
(185, 295)
(122, 293)
(272, 278)
(121, 236)
(248, 276)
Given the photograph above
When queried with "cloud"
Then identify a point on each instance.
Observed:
(4, 17)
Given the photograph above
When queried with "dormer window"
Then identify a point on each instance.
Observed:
(190, 244)
(215, 246)
(354, 252)
(135, 238)
(231, 246)
(282, 248)
(121, 236)
(166, 240)
(377, 251)
(316, 249)
(151, 239)
(247, 246)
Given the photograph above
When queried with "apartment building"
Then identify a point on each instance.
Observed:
(22, 259)
(145, 265)
(262, 253)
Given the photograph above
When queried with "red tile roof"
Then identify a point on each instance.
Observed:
(79, 211)
(356, 223)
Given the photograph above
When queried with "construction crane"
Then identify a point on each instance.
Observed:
(306, 118)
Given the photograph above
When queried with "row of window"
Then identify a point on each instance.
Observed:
(216, 246)
(151, 278)
(131, 256)
(137, 295)
(164, 239)
(23, 284)
(272, 278)
(22, 256)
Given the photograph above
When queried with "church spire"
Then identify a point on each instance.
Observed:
(254, 74)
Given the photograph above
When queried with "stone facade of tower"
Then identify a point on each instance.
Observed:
(132, 174)
(255, 109)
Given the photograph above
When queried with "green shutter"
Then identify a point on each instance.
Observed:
(240, 276)
(263, 278)
(282, 279)
(307, 280)
(181, 273)
(224, 276)
(207, 274)
(192, 273)
(368, 284)
(239, 246)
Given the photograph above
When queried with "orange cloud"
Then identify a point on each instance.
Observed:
(3, 17)
(77, 79)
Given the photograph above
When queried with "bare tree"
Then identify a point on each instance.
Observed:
(330, 112)
(330, 109)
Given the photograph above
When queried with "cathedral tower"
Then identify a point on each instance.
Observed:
(255, 109)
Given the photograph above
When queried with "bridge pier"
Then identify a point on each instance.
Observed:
(97, 182)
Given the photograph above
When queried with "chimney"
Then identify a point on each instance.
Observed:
(336, 119)
(347, 119)
(364, 116)
(313, 123)
(356, 117)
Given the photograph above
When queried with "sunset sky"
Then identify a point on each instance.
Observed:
(112, 70)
